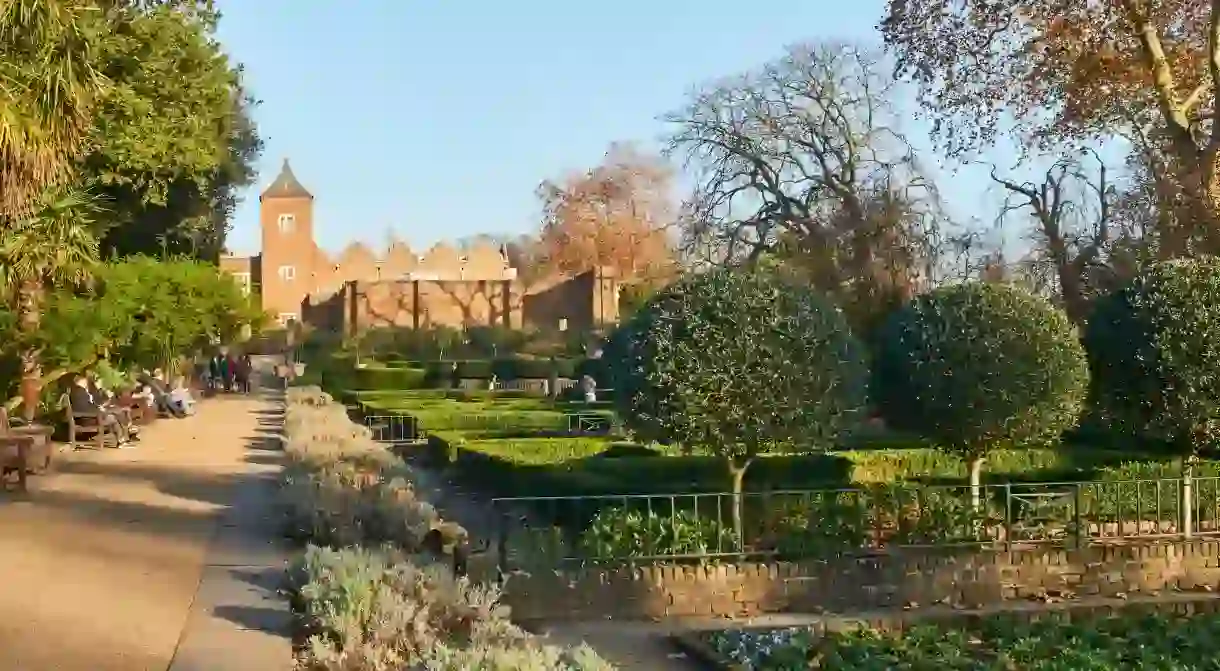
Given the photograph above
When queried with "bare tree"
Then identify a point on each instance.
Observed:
(1071, 209)
(803, 158)
(1074, 71)
(1152, 205)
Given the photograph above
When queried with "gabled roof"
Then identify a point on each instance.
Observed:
(286, 186)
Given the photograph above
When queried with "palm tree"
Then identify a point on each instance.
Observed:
(55, 246)
(48, 89)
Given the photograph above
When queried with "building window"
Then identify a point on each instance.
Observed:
(288, 273)
(287, 318)
(287, 223)
(243, 281)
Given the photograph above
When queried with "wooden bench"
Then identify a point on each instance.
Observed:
(24, 449)
(142, 414)
(93, 428)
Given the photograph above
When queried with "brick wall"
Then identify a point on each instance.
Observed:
(581, 302)
(969, 579)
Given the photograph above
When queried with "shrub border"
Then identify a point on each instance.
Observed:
(1184, 604)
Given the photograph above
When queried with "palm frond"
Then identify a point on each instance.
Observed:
(48, 89)
(55, 245)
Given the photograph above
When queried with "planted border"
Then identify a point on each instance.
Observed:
(1149, 634)
(376, 592)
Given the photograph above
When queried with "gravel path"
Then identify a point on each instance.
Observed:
(101, 562)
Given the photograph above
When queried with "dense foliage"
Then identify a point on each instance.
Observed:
(172, 139)
(173, 307)
(737, 363)
(138, 311)
(1155, 355)
(977, 366)
(997, 643)
(51, 86)
(371, 599)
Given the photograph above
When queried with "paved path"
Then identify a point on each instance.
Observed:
(102, 563)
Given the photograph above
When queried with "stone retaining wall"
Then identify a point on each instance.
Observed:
(908, 579)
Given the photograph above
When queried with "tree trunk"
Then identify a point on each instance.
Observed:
(1186, 505)
(737, 477)
(1071, 287)
(1211, 205)
(976, 482)
(12, 403)
(29, 318)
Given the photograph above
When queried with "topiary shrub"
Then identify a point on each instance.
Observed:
(1154, 354)
(977, 366)
(736, 363)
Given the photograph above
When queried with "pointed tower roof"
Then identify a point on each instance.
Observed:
(286, 186)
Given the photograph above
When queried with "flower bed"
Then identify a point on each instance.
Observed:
(366, 594)
(996, 643)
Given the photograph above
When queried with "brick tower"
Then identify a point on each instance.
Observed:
(288, 252)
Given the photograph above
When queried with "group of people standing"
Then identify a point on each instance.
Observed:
(228, 372)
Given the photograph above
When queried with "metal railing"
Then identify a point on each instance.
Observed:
(589, 424)
(392, 429)
(527, 421)
(819, 523)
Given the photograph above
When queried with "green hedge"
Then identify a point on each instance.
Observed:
(594, 368)
(441, 373)
(411, 396)
(388, 378)
(891, 462)
(591, 466)
(521, 465)
(485, 418)
(460, 402)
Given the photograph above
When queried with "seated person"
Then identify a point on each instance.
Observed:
(82, 401)
(160, 392)
(105, 401)
(95, 388)
(133, 400)
(144, 399)
(589, 386)
(145, 395)
(180, 398)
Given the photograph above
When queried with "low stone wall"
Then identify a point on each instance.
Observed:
(907, 579)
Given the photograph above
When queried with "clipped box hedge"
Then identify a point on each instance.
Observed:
(388, 378)
(442, 373)
(492, 419)
(592, 466)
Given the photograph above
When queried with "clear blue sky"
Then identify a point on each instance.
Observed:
(438, 119)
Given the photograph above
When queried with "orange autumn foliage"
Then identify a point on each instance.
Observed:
(614, 215)
(1075, 71)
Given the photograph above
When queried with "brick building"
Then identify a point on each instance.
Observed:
(360, 289)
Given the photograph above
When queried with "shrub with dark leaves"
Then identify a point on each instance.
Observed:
(1154, 352)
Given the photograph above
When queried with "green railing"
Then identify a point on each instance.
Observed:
(820, 523)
